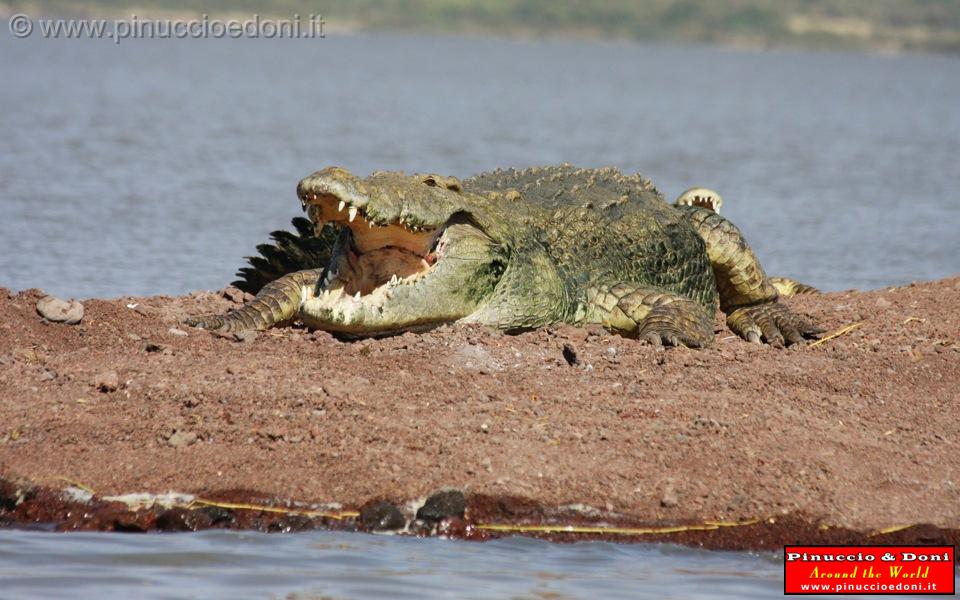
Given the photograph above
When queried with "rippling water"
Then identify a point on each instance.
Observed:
(223, 564)
(153, 166)
(315, 565)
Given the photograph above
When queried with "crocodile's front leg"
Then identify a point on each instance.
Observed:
(747, 295)
(277, 303)
(652, 314)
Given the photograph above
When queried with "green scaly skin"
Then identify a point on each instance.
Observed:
(516, 250)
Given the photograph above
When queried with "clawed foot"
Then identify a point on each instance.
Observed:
(772, 323)
(677, 324)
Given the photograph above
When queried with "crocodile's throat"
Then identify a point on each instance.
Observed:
(370, 259)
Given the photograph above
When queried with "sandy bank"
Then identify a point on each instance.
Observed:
(860, 432)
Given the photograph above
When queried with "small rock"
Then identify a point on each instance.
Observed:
(107, 381)
(570, 355)
(177, 332)
(134, 337)
(182, 439)
(569, 332)
(382, 516)
(292, 523)
(611, 351)
(668, 499)
(883, 303)
(236, 296)
(60, 311)
(245, 336)
(48, 375)
(474, 358)
(144, 311)
(218, 515)
(181, 519)
(442, 504)
(452, 528)
(594, 330)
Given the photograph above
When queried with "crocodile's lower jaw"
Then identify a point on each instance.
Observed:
(370, 277)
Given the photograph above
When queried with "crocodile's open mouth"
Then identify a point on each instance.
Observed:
(405, 257)
(370, 258)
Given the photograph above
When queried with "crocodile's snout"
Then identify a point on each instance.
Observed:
(332, 182)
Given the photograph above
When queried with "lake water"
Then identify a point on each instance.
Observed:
(153, 167)
(322, 565)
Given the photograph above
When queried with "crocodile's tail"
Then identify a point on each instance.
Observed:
(289, 252)
(790, 287)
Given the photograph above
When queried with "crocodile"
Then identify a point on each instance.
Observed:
(511, 249)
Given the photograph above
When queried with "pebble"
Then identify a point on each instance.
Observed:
(144, 311)
(60, 311)
(107, 381)
(236, 296)
(177, 332)
(442, 504)
(245, 336)
(182, 439)
(475, 358)
(382, 516)
(883, 303)
(181, 519)
(570, 355)
(668, 499)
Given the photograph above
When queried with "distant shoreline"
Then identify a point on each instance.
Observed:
(795, 31)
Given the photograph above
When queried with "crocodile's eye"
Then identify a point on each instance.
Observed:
(450, 183)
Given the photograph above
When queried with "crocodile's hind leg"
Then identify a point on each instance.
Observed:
(277, 303)
(652, 314)
(747, 296)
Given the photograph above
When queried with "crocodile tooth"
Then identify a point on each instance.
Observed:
(394, 279)
(370, 224)
(341, 205)
(357, 296)
(353, 213)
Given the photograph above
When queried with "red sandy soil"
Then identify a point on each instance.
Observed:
(859, 432)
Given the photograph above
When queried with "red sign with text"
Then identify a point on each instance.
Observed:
(869, 570)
